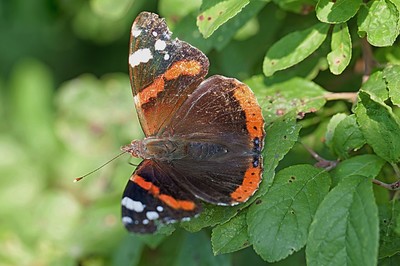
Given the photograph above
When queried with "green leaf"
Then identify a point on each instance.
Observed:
(345, 227)
(389, 229)
(230, 236)
(338, 11)
(280, 138)
(211, 216)
(112, 9)
(380, 127)
(340, 56)
(330, 130)
(196, 250)
(380, 22)
(213, 17)
(308, 69)
(391, 75)
(294, 48)
(347, 137)
(396, 3)
(279, 222)
(376, 86)
(296, 95)
(368, 165)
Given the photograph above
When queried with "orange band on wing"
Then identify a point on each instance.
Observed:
(177, 204)
(188, 68)
(152, 90)
(185, 205)
(254, 119)
(251, 180)
(153, 189)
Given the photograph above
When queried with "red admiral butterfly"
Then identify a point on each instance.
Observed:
(203, 137)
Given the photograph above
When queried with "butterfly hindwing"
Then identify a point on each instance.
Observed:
(163, 71)
(152, 197)
(222, 117)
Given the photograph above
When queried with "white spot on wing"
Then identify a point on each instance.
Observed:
(160, 208)
(135, 31)
(145, 221)
(127, 220)
(185, 219)
(160, 45)
(132, 205)
(166, 56)
(140, 56)
(151, 215)
(154, 34)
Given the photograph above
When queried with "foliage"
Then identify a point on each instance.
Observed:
(327, 74)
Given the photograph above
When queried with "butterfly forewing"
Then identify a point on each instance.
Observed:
(163, 71)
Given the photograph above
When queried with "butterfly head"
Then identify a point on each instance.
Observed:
(135, 148)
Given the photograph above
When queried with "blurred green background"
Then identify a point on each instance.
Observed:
(66, 107)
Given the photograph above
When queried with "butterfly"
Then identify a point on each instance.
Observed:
(203, 137)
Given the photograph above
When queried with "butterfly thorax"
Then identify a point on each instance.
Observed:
(168, 149)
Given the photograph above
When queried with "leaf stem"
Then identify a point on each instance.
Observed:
(396, 170)
(392, 186)
(321, 162)
(349, 96)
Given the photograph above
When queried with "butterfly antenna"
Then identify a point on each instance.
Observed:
(98, 168)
